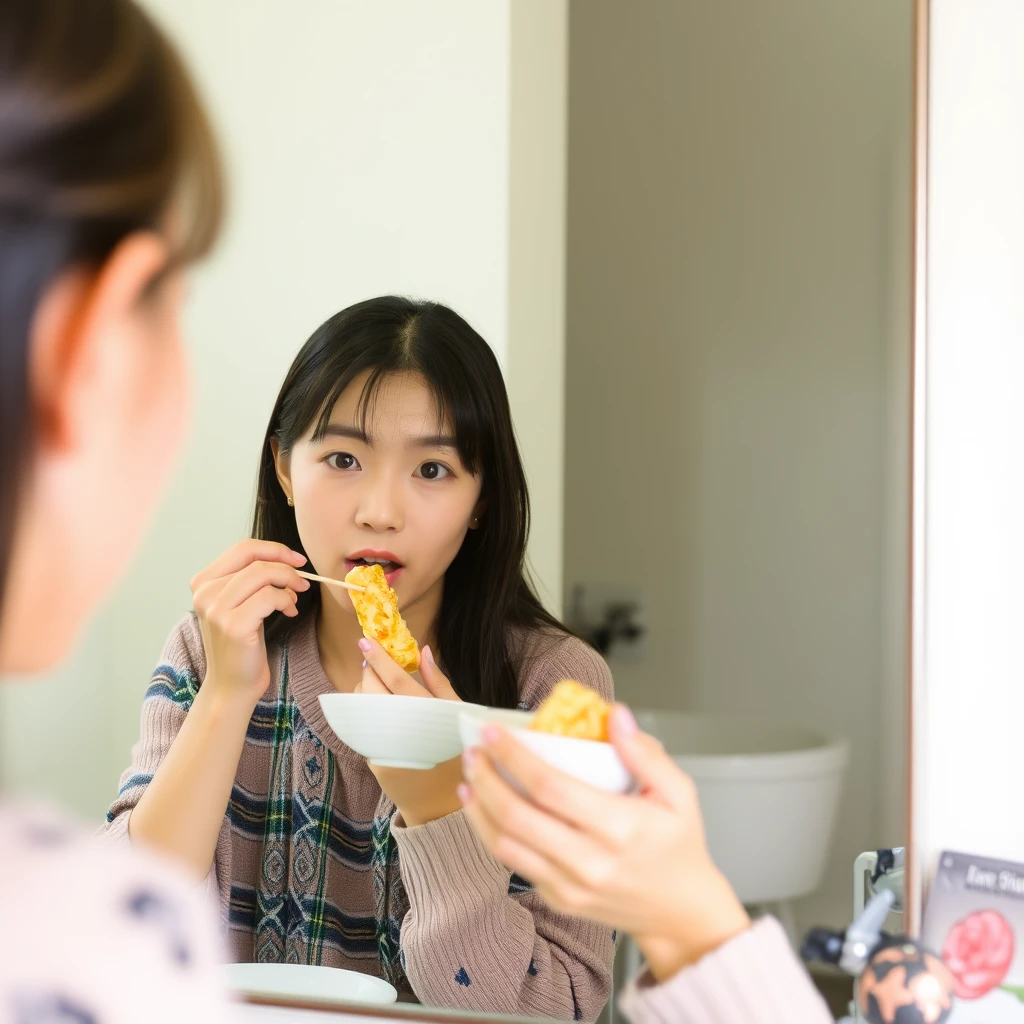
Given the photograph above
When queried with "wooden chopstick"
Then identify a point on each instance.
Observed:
(334, 583)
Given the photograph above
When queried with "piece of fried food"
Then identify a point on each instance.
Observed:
(378, 614)
(573, 709)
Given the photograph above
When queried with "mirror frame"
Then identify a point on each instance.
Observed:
(914, 865)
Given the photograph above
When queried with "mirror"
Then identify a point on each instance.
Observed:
(685, 230)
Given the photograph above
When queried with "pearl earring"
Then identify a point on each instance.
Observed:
(290, 503)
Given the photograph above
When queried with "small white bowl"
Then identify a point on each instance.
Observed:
(394, 731)
(597, 764)
(329, 985)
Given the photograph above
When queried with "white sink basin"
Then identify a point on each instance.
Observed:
(769, 795)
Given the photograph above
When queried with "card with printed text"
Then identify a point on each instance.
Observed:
(974, 920)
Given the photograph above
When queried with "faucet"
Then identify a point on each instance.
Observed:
(878, 871)
(875, 873)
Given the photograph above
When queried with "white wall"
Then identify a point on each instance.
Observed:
(968, 774)
(735, 305)
(369, 151)
(535, 364)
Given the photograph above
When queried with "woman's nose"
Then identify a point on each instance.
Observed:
(380, 506)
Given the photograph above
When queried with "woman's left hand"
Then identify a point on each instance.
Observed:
(420, 795)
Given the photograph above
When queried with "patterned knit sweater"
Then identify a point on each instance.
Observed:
(308, 868)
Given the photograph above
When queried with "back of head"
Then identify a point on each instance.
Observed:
(101, 136)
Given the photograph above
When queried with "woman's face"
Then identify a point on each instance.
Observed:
(144, 428)
(108, 381)
(398, 493)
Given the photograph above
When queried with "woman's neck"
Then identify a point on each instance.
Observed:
(338, 633)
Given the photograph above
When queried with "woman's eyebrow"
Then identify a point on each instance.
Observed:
(342, 430)
(421, 441)
(433, 441)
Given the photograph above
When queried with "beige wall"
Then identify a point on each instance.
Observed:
(735, 310)
(535, 361)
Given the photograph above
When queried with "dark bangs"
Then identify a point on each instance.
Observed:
(458, 408)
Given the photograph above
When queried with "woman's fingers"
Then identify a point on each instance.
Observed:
(246, 582)
(519, 821)
(434, 679)
(392, 676)
(370, 682)
(586, 808)
(240, 555)
(205, 594)
(659, 776)
(531, 865)
(245, 621)
(521, 859)
(556, 889)
(215, 599)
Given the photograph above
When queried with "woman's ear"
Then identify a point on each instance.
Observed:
(282, 466)
(73, 355)
(478, 514)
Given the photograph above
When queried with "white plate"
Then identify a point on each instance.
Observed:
(300, 981)
(595, 763)
(393, 731)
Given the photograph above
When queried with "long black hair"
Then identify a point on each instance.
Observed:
(486, 588)
(101, 134)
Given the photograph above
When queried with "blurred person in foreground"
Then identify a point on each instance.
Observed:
(109, 188)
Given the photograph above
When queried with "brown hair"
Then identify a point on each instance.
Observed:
(101, 134)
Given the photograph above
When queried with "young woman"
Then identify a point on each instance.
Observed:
(109, 186)
(391, 441)
(640, 864)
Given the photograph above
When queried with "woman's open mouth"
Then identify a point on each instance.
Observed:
(385, 559)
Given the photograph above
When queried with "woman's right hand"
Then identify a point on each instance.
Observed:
(637, 863)
(232, 597)
(181, 811)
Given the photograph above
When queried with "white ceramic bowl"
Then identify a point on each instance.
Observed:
(329, 985)
(393, 731)
(594, 763)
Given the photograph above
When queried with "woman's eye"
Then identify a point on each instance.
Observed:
(342, 460)
(433, 471)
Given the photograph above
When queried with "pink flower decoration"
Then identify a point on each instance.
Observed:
(979, 950)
